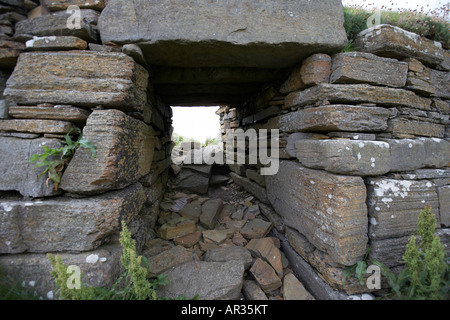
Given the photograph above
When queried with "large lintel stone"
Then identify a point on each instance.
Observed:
(201, 33)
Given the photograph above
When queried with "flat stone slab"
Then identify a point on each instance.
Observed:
(357, 93)
(66, 224)
(225, 33)
(350, 157)
(79, 78)
(208, 280)
(65, 113)
(333, 118)
(54, 43)
(360, 67)
(394, 42)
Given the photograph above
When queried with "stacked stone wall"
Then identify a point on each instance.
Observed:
(364, 146)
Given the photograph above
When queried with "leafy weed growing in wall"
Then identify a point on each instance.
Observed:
(425, 275)
(61, 156)
(133, 284)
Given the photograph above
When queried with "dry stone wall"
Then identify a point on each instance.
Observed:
(364, 146)
(63, 79)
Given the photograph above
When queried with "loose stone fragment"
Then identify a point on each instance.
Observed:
(175, 228)
(265, 276)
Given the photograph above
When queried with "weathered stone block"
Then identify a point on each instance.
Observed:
(176, 227)
(388, 251)
(194, 178)
(64, 113)
(350, 157)
(66, 224)
(208, 280)
(265, 275)
(394, 42)
(316, 69)
(53, 43)
(124, 146)
(57, 5)
(36, 126)
(265, 249)
(394, 205)
(406, 154)
(168, 259)
(356, 93)
(333, 118)
(402, 126)
(55, 25)
(80, 78)
(16, 171)
(229, 253)
(9, 52)
(329, 210)
(210, 213)
(359, 67)
(294, 289)
(100, 268)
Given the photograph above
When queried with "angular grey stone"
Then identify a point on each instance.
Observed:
(333, 118)
(251, 187)
(394, 42)
(359, 67)
(168, 259)
(229, 253)
(124, 153)
(329, 210)
(252, 291)
(394, 205)
(388, 251)
(208, 280)
(18, 173)
(361, 158)
(193, 178)
(441, 83)
(55, 25)
(210, 213)
(4, 108)
(406, 154)
(66, 224)
(412, 154)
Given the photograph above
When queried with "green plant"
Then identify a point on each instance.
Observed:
(59, 158)
(426, 268)
(359, 269)
(133, 284)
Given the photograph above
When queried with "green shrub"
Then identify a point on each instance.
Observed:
(425, 275)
